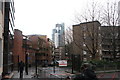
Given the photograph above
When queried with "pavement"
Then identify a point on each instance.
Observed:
(43, 72)
(30, 73)
(107, 71)
(109, 76)
(48, 72)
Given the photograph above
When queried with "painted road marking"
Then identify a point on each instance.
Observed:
(62, 74)
(113, 76)
(100, 76)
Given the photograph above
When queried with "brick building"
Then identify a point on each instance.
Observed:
(91, 37)
(30, 46)
(18, 52)
(86, 40)
(41, 44)
(110, 42)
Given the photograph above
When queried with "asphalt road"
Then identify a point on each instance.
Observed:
(109, 76)
(47, 72)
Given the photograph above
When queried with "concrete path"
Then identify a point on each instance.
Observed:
(30, 73)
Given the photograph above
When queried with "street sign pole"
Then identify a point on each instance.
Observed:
(72, 62)
(36, 63)
(54, 64)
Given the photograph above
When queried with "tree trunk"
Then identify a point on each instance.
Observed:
(93, 56)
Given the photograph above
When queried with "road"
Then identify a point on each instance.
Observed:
(109, 76)
(47, 72)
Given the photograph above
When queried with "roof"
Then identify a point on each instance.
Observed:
(86, 22)
(110, 26)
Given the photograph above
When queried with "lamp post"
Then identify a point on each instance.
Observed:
(18, 63)
(72, 62)
(26, 63)
(54, 64)
(26, 57)
(36, 63)
(53, 59)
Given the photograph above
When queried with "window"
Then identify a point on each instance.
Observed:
(84, 28)
(58, 31)
(84, 44)
(84, 52)
(99, 27)
(84, 35)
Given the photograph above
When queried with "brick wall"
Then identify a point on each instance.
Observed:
(17, 49)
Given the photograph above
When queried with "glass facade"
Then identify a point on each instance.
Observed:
(58, 35)
(8, 36)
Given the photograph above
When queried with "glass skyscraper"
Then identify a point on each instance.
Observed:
(58, 35)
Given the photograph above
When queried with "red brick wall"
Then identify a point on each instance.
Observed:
(34, 39)
(17, 49)
(33, 42)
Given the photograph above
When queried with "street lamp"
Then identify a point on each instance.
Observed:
(26, 56)
(36, 63)
(53, 59)
(72, 62)
(18, 63)
(54, 64)
(26, 63)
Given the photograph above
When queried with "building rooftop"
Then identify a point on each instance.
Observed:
(86, 22)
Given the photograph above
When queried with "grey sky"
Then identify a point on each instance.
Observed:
(40, 16)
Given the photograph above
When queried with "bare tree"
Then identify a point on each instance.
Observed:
(69, 41)
(68, 35)
(110, 14)
(110, 19)
(87, 38)
(93, 12)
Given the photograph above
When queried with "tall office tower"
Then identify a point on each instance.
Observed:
(53, 34)
(119, 13)
(8, 11)
(58, 36)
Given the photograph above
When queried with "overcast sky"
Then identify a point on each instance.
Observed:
(40, 16)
